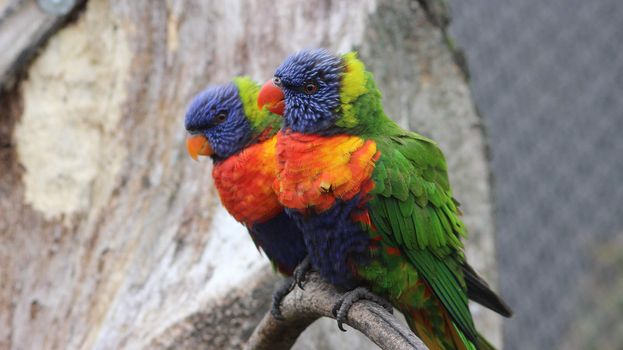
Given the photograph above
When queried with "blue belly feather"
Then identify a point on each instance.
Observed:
(281, 240)
(334, 241)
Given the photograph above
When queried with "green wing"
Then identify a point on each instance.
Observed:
(412, 205)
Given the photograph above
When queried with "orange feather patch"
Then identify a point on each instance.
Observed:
(392, 251)
(363, 217)
(244, 183)
(314, 171)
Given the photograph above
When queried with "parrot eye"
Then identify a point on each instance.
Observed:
(220, 117)
(277, 81)
(310, 88)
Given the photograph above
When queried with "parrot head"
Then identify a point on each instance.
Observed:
(319, 91)
(222, 120)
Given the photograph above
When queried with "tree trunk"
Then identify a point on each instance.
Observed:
(111, 237)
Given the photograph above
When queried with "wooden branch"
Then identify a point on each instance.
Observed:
(24, 27)
(302, 307)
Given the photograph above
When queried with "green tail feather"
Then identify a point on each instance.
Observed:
(483, 343)
(438, 334)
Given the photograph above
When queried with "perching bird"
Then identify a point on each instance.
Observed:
(225, 123)
(373, 200)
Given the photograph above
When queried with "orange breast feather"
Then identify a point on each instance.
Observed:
(314, 171)
(244, 182)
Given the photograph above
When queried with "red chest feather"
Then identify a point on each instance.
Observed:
(245, 183)
(315, 170)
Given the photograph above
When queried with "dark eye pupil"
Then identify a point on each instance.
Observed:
(310, 88)
(277, 81)
(221, 117)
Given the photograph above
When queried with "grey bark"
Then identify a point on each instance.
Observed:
(112, 238)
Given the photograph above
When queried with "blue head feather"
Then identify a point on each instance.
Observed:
(310, 110)
(218, 114)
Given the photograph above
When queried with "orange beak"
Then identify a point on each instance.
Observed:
(272, 97)
(198, 145)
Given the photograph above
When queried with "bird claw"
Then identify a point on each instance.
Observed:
(300, 272)
(337, 306)
(284, 288)
(346, 301)
(339, 325)
(288, 284)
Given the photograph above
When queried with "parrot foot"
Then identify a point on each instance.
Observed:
(341, 308)
(282, 290)
(301, 271)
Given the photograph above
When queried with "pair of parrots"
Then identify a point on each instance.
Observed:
(320, 176)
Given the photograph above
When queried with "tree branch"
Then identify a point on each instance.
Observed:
(302, 307)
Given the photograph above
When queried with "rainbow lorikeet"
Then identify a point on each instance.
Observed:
(372, 199)
(225, 124)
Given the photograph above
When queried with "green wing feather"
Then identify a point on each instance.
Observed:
(413, 206)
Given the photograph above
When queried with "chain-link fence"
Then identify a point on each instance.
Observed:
(547, 77)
